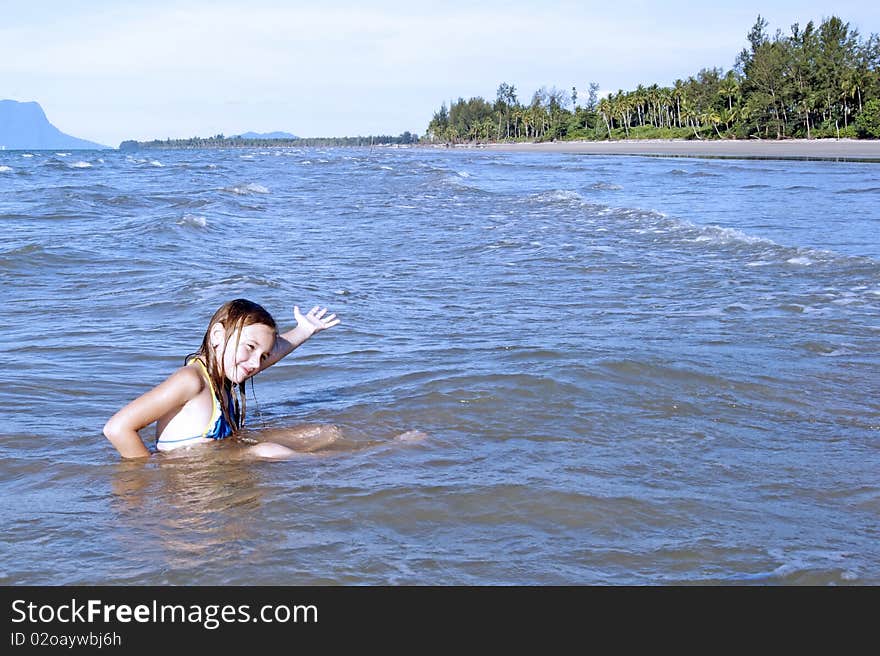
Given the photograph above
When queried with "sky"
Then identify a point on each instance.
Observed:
(108, 71)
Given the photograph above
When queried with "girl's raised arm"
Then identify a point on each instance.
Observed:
(122, 428)
(306, 326)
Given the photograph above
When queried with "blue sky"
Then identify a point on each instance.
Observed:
(109, 71)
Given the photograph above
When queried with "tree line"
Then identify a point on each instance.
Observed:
(221, 141)
(812, 82)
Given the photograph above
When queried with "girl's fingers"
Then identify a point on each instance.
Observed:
(316, 315)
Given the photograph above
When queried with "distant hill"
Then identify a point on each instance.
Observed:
(267, 135)
(24, 126)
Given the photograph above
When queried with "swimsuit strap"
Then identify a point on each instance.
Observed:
(218, 410)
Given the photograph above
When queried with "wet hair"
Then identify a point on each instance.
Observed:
(233, 316)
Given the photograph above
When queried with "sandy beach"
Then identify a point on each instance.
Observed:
(812, 149)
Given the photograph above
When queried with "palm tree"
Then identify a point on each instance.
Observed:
(638, 99)
(677, 94)
(729, 87)
(621, 106)
(690, 117)
(711, 116)
(604, 108)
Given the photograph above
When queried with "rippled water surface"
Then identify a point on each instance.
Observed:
(629, 370)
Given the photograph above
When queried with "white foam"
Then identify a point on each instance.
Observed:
(80, 165)
(800, 261)
(5, 169)
(156, 162)
(192, 220)
(562, 195)
(722, 235)
(463, 174)
(386, 168)
(62, 154)
(26, 155)
(250, 188)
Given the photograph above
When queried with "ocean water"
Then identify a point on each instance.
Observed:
(627, 370)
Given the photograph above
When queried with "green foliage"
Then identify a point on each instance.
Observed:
(651, 132)
(832, 130)
(219, 141)
(814, 82)
(868, 120)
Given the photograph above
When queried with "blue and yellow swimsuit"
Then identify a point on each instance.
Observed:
(217, 429)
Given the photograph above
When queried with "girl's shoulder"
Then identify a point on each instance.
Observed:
(187, 381)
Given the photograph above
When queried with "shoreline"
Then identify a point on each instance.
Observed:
(854, 150)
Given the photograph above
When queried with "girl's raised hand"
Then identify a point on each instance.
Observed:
(314, 321)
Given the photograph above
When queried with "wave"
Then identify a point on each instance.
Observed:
(80, 165)
(759, 250)
(151, 162)
(247, 189)
(694, 174)
(558, 196)
(869, 190)
(242, 283)
(193, 221)
(6, 169)
(36, 257)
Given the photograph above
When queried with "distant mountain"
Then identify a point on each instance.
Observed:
(268, 135)
(24, 126)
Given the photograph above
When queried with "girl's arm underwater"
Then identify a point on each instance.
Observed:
(122, 428)
(306, 326)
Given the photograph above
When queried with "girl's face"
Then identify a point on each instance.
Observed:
(254, 345)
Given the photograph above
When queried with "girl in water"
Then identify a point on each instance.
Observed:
(197, 403)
